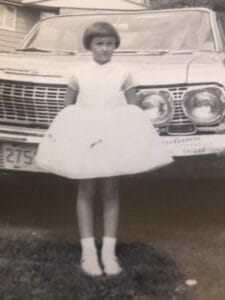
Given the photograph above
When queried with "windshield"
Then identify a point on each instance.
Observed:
(172, 31)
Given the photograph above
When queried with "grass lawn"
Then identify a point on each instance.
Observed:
(37, 269)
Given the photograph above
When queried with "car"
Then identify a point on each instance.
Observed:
(177, 58)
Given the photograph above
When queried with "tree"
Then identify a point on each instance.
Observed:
(217, 5)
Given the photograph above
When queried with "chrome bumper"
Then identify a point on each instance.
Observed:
(21, 135)
(195, 144)
(179, 146)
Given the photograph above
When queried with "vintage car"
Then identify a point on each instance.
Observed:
(178, 62)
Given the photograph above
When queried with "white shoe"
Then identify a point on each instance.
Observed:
(91, 267)
(111, 265)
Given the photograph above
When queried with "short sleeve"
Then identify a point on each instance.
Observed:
(73, 83)
(127, 82)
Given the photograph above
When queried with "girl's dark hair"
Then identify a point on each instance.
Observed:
(100, 29)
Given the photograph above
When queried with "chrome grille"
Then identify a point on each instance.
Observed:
(180, 123)
(179, 117)
(27, 103)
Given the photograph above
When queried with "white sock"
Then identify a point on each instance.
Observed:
(89, 259)
(108, 255)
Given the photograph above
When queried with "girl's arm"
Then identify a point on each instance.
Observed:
(129, 89)
(71, 96)
(131, 96)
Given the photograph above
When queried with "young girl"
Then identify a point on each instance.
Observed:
(100, 137)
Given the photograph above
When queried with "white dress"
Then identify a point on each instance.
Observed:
(101, 135)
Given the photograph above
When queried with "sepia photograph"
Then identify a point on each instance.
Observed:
(112, 149)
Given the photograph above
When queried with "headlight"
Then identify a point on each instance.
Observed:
(157, 105)
(204, 106)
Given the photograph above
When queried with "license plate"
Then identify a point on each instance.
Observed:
(19, 157)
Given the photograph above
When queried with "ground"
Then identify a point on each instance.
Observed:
(177, 223)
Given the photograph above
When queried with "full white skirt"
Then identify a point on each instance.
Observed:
(101, 142)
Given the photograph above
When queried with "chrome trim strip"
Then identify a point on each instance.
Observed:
(21, 139)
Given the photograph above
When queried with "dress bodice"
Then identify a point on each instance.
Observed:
(100, 85)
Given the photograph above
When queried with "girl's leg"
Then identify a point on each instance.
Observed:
(86, 193)
(110, 194)
(85, 198)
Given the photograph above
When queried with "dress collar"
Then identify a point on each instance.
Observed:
(102, 66)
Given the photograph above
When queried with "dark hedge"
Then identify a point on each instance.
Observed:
(217, 5)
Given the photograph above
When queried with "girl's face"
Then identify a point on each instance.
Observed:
(102, 48)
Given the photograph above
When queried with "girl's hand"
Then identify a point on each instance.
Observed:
(131, 96)
(140, 97)
(71, 96)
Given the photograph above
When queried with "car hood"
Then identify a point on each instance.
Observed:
(207, 67)
(198, 67)
(148, 69)
(35, 67)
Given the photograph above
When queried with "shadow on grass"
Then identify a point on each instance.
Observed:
(41, 270)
